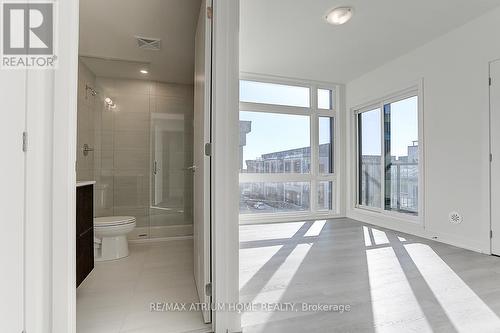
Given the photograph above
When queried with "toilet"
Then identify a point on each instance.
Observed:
(110, 237)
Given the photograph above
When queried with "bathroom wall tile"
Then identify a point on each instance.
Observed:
(122, 160)
(130, 121)
(167, 219)
(107, 118)
(115, 87)
(83, 174)
(107, 159)
(173, 90)
(103, 195)
(131, 103)
(172, 104)
(135, 195)
(132, 140)
(107, 140)
(135, 211)
(131, 159)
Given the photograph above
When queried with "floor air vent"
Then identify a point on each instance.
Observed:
(149, 43)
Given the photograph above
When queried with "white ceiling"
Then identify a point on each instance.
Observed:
(108, 29)
(290, 38)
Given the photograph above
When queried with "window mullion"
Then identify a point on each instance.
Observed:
(314, 149)
(382, 159)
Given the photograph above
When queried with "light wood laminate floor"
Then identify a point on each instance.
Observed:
(393, 282)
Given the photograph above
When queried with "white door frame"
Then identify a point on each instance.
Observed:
(202, 123)
(62, 159)
(494, 148)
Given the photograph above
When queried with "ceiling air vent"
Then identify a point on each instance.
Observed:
(455, 218)
(148, 43)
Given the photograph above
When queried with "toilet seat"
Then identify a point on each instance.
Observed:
(110, 221)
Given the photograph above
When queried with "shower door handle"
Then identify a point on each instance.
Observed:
(155, 168)
(191, 168)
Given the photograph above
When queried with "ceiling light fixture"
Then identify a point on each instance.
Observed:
(339, 15)
(143, 71)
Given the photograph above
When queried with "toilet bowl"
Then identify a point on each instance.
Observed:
(110, 237)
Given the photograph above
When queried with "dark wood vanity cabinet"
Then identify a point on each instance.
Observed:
(84, 232)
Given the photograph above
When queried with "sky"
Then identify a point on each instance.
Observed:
(404, 128)
(273, 132)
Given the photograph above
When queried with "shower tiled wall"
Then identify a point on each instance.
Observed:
(125, 145)
(122, 162)
(86, 113)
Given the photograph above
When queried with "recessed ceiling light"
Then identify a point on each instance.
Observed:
(339, 15)
(143, 71)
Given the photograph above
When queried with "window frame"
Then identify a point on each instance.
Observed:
(412, 91)
(314, 177)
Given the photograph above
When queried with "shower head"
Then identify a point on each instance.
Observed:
(88, 88)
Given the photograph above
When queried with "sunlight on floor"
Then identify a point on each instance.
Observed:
(464, 308)
(316, 228)
(276, 286)
(374, 237)
(392, 296)
(253, 259)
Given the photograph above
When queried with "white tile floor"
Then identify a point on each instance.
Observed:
(116, 296)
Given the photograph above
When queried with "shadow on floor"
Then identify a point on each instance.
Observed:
(393, 282)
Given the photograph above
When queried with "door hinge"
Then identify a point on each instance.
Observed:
(490, 81)
(25, 141)
(210, 13)
(208, 289)
(208, 149)
(491, 157)
(491, 233)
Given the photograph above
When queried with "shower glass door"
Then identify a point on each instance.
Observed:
(170, 207)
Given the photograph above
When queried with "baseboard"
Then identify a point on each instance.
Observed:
(415, 229)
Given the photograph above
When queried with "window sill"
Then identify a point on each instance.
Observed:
(286, 217)
(395, 216)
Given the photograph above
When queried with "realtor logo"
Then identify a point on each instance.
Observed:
(28, 35)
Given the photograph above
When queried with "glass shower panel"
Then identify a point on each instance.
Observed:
(171, 176)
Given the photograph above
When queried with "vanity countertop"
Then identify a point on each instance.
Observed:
(85, 183)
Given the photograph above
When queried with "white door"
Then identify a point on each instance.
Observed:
(201, 167)
(495, 152)
(12, 199)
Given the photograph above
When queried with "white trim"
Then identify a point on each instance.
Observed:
(62, 301)
(225, 93)
(414, 89)
(63, 170)
(380, 220)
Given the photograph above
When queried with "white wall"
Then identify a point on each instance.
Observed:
(454, 69)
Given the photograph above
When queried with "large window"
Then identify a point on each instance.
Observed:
(287, 138)
(388, 155)
(264, 152)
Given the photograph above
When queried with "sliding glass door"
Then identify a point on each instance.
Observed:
(388, 155)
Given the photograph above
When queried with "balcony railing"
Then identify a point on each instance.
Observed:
(401, 191)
